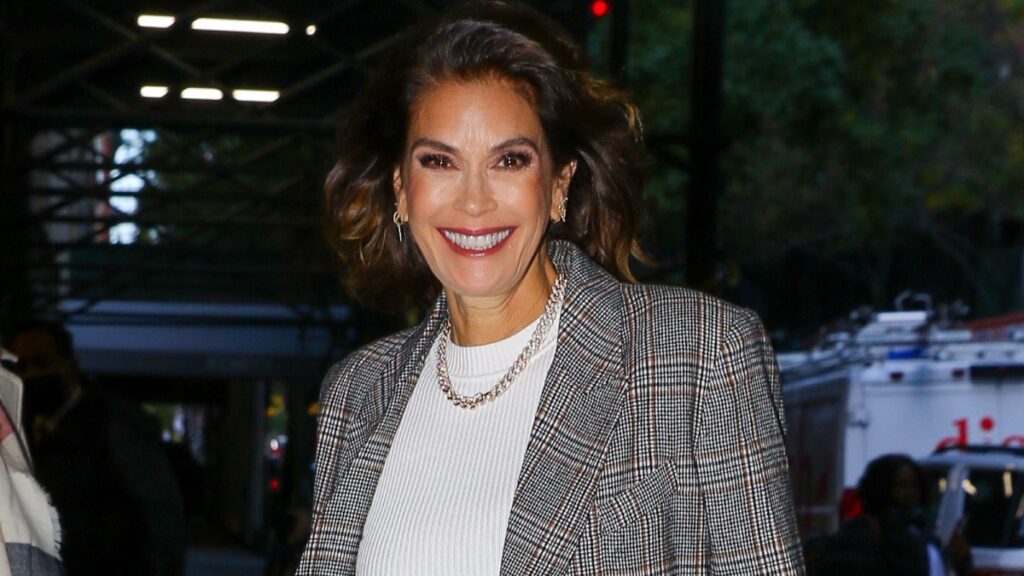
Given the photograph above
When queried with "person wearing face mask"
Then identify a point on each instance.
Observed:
(100, 459)
(49, 371)
(891, 536)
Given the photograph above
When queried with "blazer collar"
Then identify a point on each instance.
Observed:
(578, 407)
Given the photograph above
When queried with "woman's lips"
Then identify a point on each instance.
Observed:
(480, 242)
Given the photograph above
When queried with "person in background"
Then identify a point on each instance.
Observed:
(29, 528)
(891, 536)
(100, 459)
(549, 415)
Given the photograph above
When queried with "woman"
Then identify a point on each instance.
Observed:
(891, 536)
(544, 417)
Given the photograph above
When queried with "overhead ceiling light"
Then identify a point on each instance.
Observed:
(195, 93)
(155, 21)
(310, 30)
(232, 25)
(255, 95)
(153, 91)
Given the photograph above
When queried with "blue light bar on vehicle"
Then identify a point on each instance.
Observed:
(905, 353)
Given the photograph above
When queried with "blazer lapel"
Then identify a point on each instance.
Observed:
(373, 428)
(578, 408)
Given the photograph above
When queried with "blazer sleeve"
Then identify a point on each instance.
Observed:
(331, 419)
(741, 460)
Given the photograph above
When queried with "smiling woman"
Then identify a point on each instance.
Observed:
(578, 120)
(478, 189)
(545, 417)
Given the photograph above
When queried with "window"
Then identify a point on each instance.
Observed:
(992, 505)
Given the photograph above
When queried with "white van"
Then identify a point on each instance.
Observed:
(899, 382)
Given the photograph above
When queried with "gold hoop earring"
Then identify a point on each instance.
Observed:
(561, 206)
(397, 219)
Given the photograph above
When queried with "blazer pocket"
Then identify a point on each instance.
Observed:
(637, 502)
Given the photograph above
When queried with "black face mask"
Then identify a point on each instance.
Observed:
(916, 517)
(45, 395)
(897, 516)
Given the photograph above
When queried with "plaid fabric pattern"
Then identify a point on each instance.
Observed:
(657, 447)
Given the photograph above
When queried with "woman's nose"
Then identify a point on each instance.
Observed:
(477, 197)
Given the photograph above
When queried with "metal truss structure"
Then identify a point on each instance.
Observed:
(113, 196)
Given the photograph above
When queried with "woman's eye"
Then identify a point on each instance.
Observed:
(515, 160)
(435, 161)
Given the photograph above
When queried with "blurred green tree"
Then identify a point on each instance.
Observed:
(872, 147)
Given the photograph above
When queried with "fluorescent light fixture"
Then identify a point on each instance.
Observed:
(232, 25)
(155, 21)
(195, 93)
(255, 95)
(310, 30)
(153, 91)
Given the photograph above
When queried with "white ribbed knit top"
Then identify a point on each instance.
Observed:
(443, 500)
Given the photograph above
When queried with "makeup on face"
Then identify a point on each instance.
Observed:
(476, 188)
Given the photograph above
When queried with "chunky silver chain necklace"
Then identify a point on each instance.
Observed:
(471, 402)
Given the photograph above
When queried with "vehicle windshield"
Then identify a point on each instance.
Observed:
(993, 507)
(935, 484)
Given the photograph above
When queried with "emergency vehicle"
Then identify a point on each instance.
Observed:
(897, 382)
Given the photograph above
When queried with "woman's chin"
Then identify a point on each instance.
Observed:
(474, 289)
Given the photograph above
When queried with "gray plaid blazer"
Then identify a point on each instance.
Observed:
(657, 447)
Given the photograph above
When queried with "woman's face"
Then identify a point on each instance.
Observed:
(477, 187)
(906, 493)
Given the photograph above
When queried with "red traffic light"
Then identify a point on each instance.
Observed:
(599, 8)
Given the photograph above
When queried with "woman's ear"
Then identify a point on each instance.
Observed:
(559, 196)
(400, 200)
(565, 176)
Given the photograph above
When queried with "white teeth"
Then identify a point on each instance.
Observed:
(476, 243)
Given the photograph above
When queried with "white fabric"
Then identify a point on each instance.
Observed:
(11, 391)
(936, 566)
(27, 521)
(444, 497)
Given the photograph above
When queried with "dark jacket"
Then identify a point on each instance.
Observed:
(109, 479)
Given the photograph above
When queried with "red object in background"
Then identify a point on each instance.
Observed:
(850, 505)
(275, 484)
(599, 8)
(995, 327)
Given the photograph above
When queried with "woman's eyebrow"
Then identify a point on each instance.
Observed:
(504, 145)
(513, 142)
(433, 144)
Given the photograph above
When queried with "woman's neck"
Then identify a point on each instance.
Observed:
(477, 321)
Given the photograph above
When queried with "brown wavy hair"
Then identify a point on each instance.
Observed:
(583, 119)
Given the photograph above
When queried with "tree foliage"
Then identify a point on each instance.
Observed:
(871, 147)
